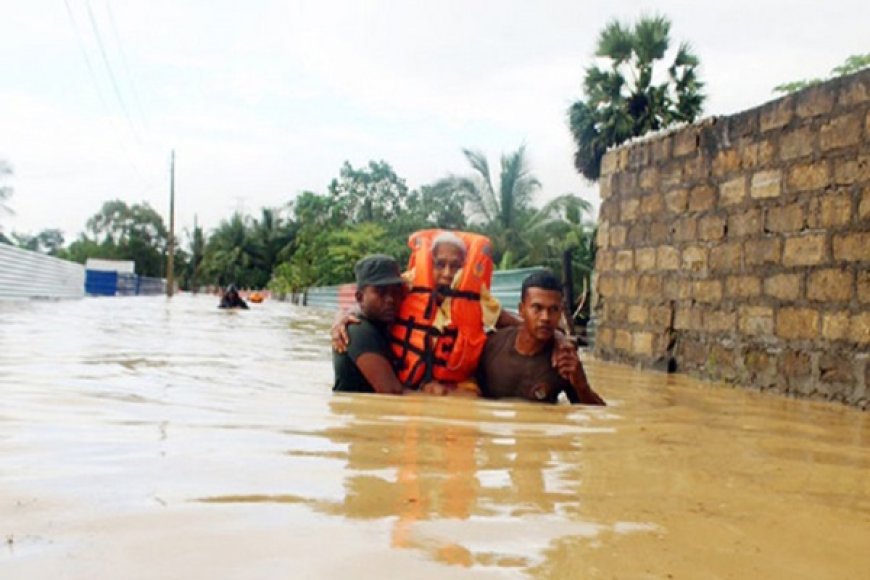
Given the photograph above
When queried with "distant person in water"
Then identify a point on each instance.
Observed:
(231, 299)
(367, 365)
(525, 361)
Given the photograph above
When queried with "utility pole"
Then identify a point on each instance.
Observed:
(170, 262)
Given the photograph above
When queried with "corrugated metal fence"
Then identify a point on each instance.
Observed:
(25, 274)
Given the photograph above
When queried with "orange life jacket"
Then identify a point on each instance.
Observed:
(450, 355)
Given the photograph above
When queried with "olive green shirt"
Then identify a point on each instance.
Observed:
(365, 337)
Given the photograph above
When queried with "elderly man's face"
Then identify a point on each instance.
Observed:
(447, 259)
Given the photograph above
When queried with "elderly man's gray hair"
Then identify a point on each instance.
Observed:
(451, 239)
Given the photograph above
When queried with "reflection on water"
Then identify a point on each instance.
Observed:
(141, 438)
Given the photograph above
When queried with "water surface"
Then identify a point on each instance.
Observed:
(146, 438)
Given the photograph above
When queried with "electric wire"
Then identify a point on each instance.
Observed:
(100, 95)
(109, 70)
(125, 66)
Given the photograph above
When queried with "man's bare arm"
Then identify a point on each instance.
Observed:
(379, 373)
(338, 332)
(569, 366)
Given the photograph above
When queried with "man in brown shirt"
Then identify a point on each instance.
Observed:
(518, 361)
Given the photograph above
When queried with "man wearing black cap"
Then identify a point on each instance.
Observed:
(366, 366)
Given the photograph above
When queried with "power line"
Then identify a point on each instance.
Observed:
(109, 69)
(124, 64)
(95, 82)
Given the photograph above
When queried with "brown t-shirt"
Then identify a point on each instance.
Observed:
(505, 373)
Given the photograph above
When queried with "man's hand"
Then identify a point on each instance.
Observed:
(571, 369)
(338, 331)
(563, 342)
(565, 360)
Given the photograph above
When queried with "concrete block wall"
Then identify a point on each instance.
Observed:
(738, 248)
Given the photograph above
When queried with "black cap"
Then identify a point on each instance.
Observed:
(377, 270)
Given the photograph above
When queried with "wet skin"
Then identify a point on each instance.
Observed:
(541, 310)
(380, 303)
(446, 261)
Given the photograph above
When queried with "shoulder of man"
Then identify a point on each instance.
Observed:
(502, 334)
(498, 340)
(366, 337)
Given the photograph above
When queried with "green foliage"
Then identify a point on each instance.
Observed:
(625, 100)
(372, 194)
(242, 251)
(852, 64)
(48, 241)
(523, 235)
(367, 210)
(501, 211)
(122, 232)
(317, 238)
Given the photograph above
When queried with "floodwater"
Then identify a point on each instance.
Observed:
(146, 438)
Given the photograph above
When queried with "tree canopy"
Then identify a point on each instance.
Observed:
(316, 238)
(627, 98)
(124, 232)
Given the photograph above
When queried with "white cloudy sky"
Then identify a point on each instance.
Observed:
(264, 99)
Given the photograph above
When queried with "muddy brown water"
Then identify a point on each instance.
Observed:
(141, 438)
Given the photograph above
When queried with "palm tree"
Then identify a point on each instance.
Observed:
(229, 253)
(624, 101)
(503, 210)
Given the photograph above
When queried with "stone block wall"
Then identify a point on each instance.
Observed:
(738, 248)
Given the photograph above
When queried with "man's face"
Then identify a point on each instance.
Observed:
(446, 261)
(380, 303)
(541, 310)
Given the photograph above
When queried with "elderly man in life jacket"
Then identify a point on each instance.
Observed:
(441, 328)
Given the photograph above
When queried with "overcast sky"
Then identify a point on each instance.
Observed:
(264, 99)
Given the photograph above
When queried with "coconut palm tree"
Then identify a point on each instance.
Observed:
(502, 210)
(625, 100)
(229, 253)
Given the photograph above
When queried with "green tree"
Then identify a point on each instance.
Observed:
(122, 232)
(271, 237)
(230, 254)
(49, 241)
(302, 263)
(852, 64)
(625, 100)
(84, 247)
(502, 211)
(438, 206)
(371, 194)
(565, 223)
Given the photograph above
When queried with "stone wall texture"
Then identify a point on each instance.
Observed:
(738, 248)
